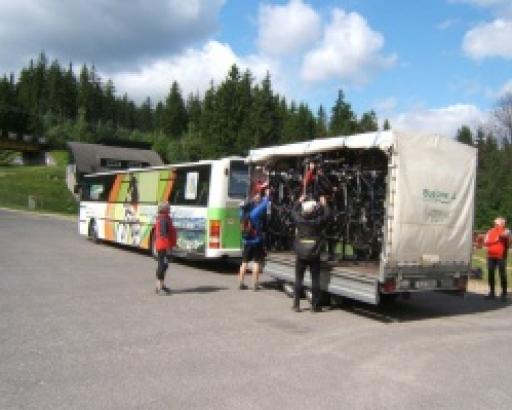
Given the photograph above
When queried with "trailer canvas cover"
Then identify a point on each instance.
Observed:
(434, 200)
(430, 203)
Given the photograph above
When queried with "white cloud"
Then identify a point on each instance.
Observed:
(444, 121)
(349, 50)
(287, 29)
(492, 39)
(107, 32)
(193, 70)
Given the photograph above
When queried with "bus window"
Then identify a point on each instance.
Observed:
(191, 186)
(97, 188)
(238, 180)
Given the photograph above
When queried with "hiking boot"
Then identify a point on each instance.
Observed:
(490, 296)
(166, 289)
(256, 287)
(242, 286)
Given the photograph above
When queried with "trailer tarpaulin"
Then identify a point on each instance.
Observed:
(381, 139)
(433, 204)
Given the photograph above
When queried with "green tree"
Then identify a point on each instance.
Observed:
(175, 114)
(321, 123)
(9, 110)
(145, 116)
(368, 122)
(464, 135)
(343, 120)
(264, 116)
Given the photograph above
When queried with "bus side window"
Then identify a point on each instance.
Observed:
(98, 188)
(197, 194)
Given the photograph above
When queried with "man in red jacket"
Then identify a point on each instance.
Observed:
(165, 236)
(496, 242)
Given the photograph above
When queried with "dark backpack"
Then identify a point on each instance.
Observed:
(248, 229)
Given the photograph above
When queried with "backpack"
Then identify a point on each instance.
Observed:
(247, 228)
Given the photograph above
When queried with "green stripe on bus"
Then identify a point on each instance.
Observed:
(230, 225)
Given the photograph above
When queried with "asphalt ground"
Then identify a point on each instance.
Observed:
(81, 328)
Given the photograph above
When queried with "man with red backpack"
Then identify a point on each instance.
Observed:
(496, 241)
(165, 241)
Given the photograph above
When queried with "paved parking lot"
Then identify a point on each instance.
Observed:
(80, 328)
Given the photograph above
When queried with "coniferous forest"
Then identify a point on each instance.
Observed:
(47, 99)
(63, 103)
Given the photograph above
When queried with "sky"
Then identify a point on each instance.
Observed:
(426, 65)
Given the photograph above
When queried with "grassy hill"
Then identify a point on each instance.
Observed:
(47, 185)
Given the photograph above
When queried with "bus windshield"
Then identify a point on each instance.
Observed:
(238, 180)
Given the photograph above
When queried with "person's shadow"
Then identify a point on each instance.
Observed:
(199, 289)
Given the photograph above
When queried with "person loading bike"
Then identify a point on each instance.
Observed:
(315, 185)
(310, 220)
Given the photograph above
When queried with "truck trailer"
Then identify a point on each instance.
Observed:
(401, 205)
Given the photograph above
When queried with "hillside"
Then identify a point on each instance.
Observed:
(47, 184)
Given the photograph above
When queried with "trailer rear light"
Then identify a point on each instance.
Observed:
(214, 236)
(389, 286)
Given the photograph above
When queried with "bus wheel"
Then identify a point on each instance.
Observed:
(152, 246)
(93, 232)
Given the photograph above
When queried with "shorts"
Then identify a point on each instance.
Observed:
(254, 253)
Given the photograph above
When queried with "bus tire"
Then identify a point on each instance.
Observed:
(93, 231)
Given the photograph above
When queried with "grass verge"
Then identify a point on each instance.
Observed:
(45, 185)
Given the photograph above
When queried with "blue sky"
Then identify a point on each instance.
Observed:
(428, 65)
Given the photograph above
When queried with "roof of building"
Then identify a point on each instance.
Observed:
(88, 157)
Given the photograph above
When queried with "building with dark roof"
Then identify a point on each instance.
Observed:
(90, 158)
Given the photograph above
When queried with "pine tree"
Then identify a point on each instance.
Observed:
(109, 103)
(265, 119)
(321, 123)
(175, 114)
(53, 90)
(343, 120)
(464, 135)
(69, 93)
(145, 116)
(368, 122)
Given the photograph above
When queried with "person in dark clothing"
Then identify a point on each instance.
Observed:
(165, 240)
(309, 219)
(253, 237)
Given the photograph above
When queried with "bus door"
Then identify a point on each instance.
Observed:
(189, 200)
